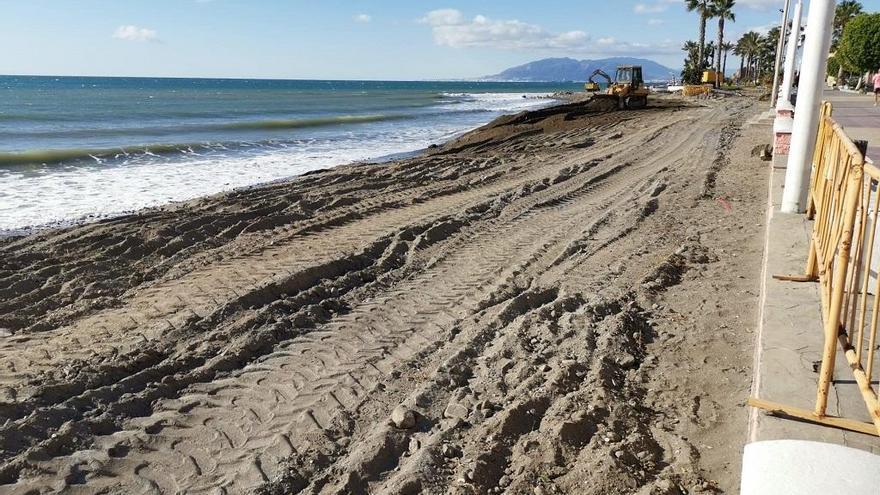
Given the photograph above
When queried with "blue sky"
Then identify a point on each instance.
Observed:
(344, 39)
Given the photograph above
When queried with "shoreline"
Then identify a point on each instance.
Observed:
(17, 233)
(14, 234)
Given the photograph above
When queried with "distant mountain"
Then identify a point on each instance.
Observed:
(569, 69)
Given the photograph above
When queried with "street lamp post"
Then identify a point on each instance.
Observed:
(790, 56)
(806, 115)
(780, 45)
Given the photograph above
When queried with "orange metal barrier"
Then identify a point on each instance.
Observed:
(844, 259)
(823, 138)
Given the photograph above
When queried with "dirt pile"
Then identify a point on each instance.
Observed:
(521, 310)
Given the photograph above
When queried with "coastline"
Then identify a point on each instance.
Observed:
(523, 306)
(15, 233)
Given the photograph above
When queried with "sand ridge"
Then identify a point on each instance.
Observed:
(506, 288)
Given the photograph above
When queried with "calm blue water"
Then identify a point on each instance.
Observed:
(84, 147)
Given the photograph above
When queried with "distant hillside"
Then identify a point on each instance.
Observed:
(569, 69)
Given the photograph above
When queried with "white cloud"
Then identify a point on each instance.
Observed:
(450, 28)
(363, 18)
(442, 17)
(134, 33)
(655, 22)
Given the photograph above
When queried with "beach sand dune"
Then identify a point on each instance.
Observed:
(559, 302)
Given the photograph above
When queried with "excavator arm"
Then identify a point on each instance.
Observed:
(600, 73)
(592, 85)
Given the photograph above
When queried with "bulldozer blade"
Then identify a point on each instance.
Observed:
(604, 103)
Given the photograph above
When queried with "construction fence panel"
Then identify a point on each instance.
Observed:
(856, 332)
(843, 258)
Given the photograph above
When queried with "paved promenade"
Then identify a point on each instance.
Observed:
(858, 115)
(789, 328)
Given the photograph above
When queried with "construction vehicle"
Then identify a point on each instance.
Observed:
(709, 77)
(592, 86)
(628, 90)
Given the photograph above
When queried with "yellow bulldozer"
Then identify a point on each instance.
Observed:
(627, 91)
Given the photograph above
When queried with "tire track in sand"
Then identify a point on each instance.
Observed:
(236, 430)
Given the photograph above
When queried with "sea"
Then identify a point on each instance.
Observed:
(76, 149)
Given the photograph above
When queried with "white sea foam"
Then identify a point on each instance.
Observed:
(61, 194)
(495, 102)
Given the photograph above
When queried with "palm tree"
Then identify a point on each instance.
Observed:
(690, 46)
(767, 50)
(701, 7)
(843, 13)
(690, 73)
(751, 47)
(723, 10)
(726, 47)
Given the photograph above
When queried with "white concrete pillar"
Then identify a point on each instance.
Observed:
(780, 45)
(806, 114)
(784, 122)
(784, 102)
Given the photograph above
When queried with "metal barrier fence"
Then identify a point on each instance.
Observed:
(823, 138)
(844, 260)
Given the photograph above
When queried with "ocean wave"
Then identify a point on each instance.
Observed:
(121, 154)
(163, 130)
(315, 122)
(201, 138)
(493, 102)
(54, 156)
(496, 97)
(58, 193)
(125, 154)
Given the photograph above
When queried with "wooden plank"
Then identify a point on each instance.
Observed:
(782, 410)
(795, 278)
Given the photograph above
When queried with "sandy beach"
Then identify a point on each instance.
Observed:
(562, 301)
